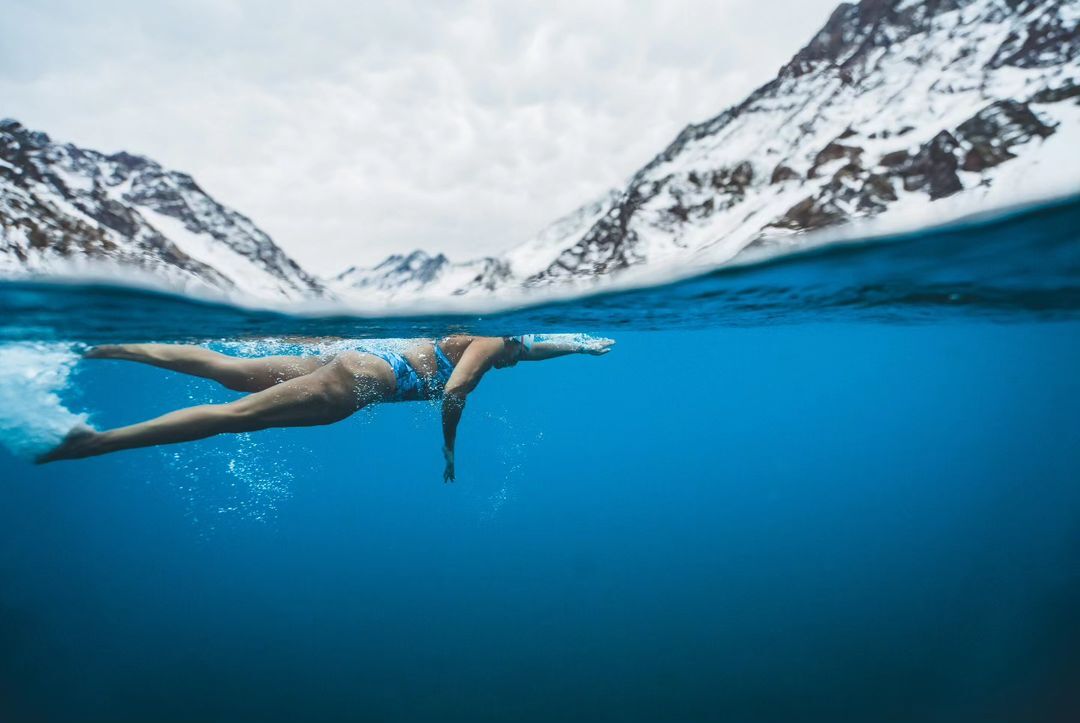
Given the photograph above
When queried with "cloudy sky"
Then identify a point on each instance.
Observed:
(351, 130)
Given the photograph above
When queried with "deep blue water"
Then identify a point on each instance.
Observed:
(838, 487)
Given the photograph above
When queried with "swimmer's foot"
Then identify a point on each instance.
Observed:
(78, 443)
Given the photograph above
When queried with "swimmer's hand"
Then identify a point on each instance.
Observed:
(598, 347)
(448, 473)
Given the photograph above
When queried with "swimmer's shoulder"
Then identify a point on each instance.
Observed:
(456, 344)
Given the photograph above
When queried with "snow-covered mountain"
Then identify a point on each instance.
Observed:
(903, 111)
(66, 211)
(893, 103)
(421, 273)
(891, 107)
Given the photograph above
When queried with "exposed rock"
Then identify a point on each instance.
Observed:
(933, 168)
(895, 159)
(602, 249)
(994, 130)
(743, 174)
(1070, 89)
(1047, 37)
(876, 192)
(810, 213)
(783, 173)
(833, 152)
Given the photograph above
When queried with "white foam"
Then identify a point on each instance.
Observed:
(307, 347)
(33, 418)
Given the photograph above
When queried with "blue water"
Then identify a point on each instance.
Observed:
(843, 486)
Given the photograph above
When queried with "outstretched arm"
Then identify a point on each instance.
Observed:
(476, 360)
(538, 347)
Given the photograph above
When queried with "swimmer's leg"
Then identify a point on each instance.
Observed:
(327, 395)
(239, 374)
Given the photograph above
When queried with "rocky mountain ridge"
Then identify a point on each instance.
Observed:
(66, 210)
(892, 101)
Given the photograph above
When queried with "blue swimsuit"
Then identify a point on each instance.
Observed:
(410, 385)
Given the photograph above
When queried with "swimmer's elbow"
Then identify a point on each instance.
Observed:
(461, 387)
(456, 394)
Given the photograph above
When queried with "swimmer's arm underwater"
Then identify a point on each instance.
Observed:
(538, 347)
(477, 359)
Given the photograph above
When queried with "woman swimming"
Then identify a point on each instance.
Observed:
(302, 391)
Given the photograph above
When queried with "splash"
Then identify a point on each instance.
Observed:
(33, 417)
(306, 346)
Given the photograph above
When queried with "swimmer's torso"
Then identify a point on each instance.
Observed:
(418, 372)
(421, 356)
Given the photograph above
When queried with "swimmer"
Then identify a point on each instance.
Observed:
(302, 391)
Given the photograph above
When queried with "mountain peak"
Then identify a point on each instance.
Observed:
(25, 136)
(856, 29)
(66, 210)
(130, 161)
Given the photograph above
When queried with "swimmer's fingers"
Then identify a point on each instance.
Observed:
(601, 347)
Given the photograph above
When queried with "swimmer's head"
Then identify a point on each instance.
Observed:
(511, 354)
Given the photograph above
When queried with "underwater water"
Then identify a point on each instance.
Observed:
(838, 486)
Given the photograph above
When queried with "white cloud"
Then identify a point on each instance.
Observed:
(352, 130)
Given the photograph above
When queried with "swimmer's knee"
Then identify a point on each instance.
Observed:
(238, 375)
(239, 385)
(237, 418)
